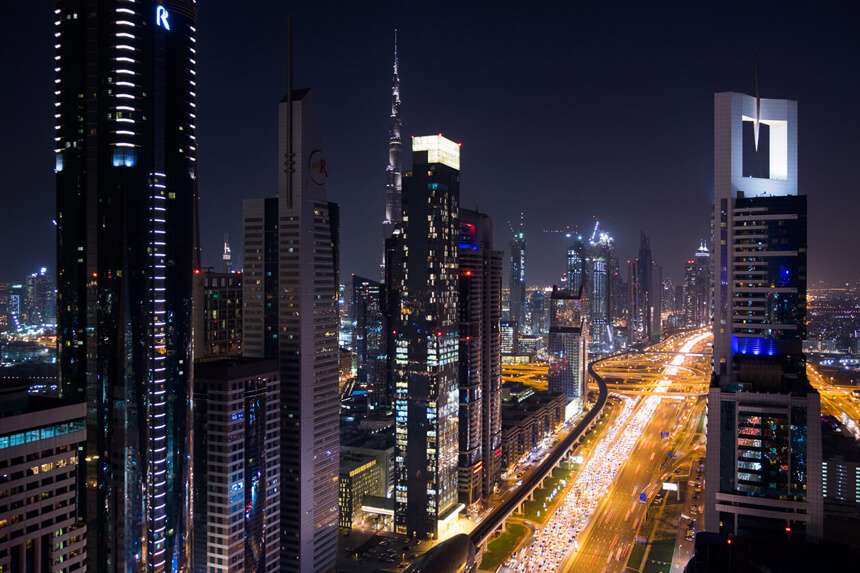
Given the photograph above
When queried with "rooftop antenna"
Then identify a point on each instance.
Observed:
(757, 102)
(289, 159)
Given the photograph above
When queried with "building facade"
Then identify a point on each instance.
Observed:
(360, 476)
(42, 527)
(697, 288)
(370, 343)
(644, 294)
(601, 292)
(422, 291)
(764, 460)
(568, 345)
(517, 300)
(237, 473)
(480, 306)
(217, 315)
(125, 164)
(294, 237)
(526, 423)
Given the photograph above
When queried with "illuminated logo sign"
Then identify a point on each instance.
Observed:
(161, 17)
(317, 168)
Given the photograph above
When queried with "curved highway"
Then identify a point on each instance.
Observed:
(493, 521)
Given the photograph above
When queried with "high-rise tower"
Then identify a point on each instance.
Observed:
(393, 181)
(227, 256)
(480, 306)
(518, 278)
(291, 312)
(568, 346)
(126, 167)
(697, 288)
(422, 291)
(764, 469)
(600, 292)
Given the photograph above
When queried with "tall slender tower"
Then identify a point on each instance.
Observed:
(126, 168)
(291, 312)
(227, 257)
(480, 357)
(422, 304)
(393, 180)
(763, 467)
(518, 278)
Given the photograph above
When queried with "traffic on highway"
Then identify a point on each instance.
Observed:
(570, 535)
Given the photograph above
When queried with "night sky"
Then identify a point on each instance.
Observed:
(564, 113)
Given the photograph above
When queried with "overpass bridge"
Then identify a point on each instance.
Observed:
(496, 519)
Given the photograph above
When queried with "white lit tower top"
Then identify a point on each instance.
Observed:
(227, 257)
(393, 180)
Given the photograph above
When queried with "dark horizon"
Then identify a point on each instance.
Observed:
(563, 115)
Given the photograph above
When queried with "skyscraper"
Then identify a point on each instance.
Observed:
(518, 279)
(480, 306)
(227, 256)
(40, 303)
(601, 292)
(393, 176)
(236, 513)
(294, 239)
(125, 152)
(422, 292)
(764, 460)
(576, 265)
(645, 300)
(370, 343)
(568, 346)
(697, 288)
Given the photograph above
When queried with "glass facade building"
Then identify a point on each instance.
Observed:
(422, 305)
(764, 456)
(369, 340)
(126, 152)
(568, 343)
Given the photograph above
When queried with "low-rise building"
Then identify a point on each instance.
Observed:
(526, 423)
(40, 525)
(236, 455)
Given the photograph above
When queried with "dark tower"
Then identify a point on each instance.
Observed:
(480, 357)
(422, 292)
(126, 168)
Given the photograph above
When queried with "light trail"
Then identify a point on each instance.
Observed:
(558, 537)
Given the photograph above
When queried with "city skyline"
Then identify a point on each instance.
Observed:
(561, 71)
(462, 388)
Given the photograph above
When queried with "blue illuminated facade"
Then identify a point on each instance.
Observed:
(764, 458)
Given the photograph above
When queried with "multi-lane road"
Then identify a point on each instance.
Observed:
(607, 545)
(593, 525)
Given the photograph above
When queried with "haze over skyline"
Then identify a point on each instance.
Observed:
(563, 115)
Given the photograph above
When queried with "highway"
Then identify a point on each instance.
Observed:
(495, 519)
(606, 545)
(836, 400)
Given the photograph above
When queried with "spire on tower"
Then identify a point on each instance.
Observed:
(757, 102)
(393, 183)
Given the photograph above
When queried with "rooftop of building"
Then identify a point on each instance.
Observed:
(836, 443)
(231, 368)
(17, 407)
(351, 461)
